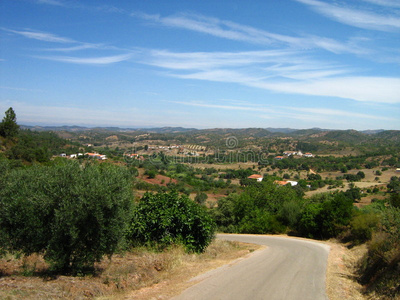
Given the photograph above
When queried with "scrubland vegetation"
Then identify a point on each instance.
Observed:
(74, 214)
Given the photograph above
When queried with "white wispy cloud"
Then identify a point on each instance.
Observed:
(41, 36)
(51, 2)
(20, 89)
(247, 107)
(364, 89)
(238, 32)
(104, 60)
(261, 64)
(387, 3)
(334, 116)
(53, 38)
(356, 17)
(337, 113)
(208, 60)
(279, 72)
(83, 46)
(75, 46)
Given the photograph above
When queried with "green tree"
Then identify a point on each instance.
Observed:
(201, 198)
(167, 218)
(309, 224)
(72, 214)
(326, 219)
(361, 174)
(8, 126)
(151, 174)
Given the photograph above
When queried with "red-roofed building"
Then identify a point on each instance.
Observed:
(256, 176)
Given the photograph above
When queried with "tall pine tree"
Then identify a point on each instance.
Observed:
(8, 126)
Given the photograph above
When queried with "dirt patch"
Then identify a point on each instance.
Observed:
(159, 180)
(212, 199)
(222, 167)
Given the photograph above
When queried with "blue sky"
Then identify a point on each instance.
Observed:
(203, 64)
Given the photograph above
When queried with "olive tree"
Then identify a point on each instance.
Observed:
(73, 214)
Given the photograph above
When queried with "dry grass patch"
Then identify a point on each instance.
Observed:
(341, 273)
(139, 274)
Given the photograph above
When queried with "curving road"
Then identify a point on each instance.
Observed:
(286, 269)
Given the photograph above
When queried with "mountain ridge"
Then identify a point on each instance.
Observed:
(169, 129)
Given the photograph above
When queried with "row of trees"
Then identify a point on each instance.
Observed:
(266, 208)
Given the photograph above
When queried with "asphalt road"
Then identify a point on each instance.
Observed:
(286, 269)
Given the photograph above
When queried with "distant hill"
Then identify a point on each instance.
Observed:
(167, 129)
(117, 129)
(54, 128)
(255, 132)
(373, 131)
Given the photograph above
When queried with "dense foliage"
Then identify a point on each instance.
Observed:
(267, 208)
(167, 218)
(379, 269)
(74, 214)
(34, 146)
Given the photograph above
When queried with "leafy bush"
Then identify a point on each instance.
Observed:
(224, 214)
(309, 224)
(167, 218)
(260, 202)
(362, 226)
(326, 219)
(290, 213)
(201, 198)
(379, 268)
(73, 214)
(260, 221)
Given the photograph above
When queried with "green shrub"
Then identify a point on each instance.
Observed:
(362, 227)
(201, 198)
(290, 213)
(167, 218)
(326, 219)
(379, 268)
(260, 221)
(73, 214)
(309, 224)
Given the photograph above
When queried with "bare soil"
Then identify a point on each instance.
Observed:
(159, 180)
